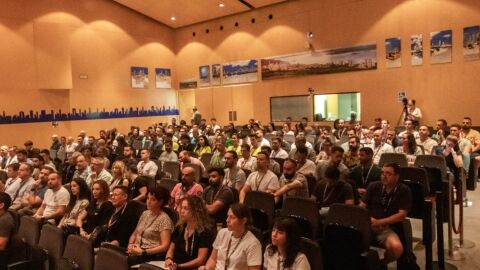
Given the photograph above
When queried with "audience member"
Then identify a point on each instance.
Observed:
(441, 131)
(409, 129)
(146, 167)
(332, 190)
(235, 247)
(217, 196)
(273, 164)
(168, 154)
(13, 182)
(409, 148)
(218, 160)
(350, 158)
(284, 251)
(336, 158)
(292, 183)
(7, 227)
(33, 199)
(25, 183)
(98, 172)
(119, 175)
(379, 147)
(151, 238)
(255, 147)
(234, 176)
(247, 162)
(187, 186)
(79, 200)
(192, 238)
(262, 179)
(366, 172)
(83, 170)
(425, 141)
(55, 201)
(203, 146)
(185, 158)
(277, 151)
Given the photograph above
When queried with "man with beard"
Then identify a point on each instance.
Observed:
(234, 176)
(217, 196)
(336, 157)
(441, 131)
(185, 143)
(292, 183)
(366, 172)
(187, 186)
(38, 163)
(128, 158)
(351, 159)
(24, 185)
(83, 170)
(33, 199)
(262, 179)
(425, 140)
(55, 201)
(471, 134)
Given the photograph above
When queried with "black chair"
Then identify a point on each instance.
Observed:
(167, 183)
(264, 203)
(347, 239)
(3, 176)
(432, 161)
(83, 259)
(312, 250)
(312, 183)
(108, 259)
(397, 158)
(52, 242)
(205, 159)
(16, 257)
(305, 212)
(280, 162)
(172, 214)
(171, 169)
(29, 230)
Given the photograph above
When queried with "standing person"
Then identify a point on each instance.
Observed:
(197, 117)
(192, 238)
(235, 247)
(388, 203)
(151, 238)
(284, 251)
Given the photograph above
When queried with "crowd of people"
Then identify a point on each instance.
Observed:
(95, 186)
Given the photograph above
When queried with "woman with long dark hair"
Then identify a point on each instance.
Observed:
(79, 200)
(203, 146)
(235, 246)
(284, 252)
(409, 148)
(192, 237)
(98, 211)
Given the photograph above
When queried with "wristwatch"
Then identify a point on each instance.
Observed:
(144, 252)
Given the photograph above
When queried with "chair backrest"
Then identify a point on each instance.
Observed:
(289, 138)
(17, 250)
(312, 183)
(108, 259)
(80, 251)
(353, 217)
(3, 176)
(52, 241)
(16, 219)
(312, 250)
(280, 162)
(397, 158)
(205, 159)
(29, 230)
(198, 171)
(343, 248)
(167, 183)
(172, 168)
(311, 139)
(172, 214)
(137, 207)
(261, 200)
(303, 208)
(432, 162)
(416, 179)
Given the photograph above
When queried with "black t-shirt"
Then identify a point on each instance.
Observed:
(198, 240)
(363, 176)
(136, 185)
(223, 194)
(382, 205)
(328, 193)
(123, 224)
(97, 216)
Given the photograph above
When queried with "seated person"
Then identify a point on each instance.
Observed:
(25, 183)
(350, 158)
(192, 238)
(151, 238)
(33, 199)
(98, 172)
(388, 203)
(79, 200)
(146, 167)
(13, 182)
(262, 179)
(378, 146)
(235, 247)
(124, 219)
(409, 148)
(55, 201)
(168, 154)
(366, 172)
(284, 248)
(246, 162)
(218, 160)
(273, 166)
(332, 190)
(302, 142)
(203, 146)
(277, 151)
(234, 176)
(98, 212)
(187, 186)
(336, 158)
(292, 183)
(425, 140)
(217, 196)
(7, 226)
(185, 158)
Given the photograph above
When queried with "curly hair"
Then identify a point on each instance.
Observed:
(199, 213)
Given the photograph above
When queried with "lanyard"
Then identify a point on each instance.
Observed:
(389, 196)
(227, 258)
(325, 196)
(187, 240)
(364, 180)
(257, 183)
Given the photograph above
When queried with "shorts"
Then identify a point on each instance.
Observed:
(382, 235)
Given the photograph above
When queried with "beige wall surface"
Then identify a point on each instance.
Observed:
(442, 90)
(47, 45)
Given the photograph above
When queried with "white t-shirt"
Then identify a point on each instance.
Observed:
(243, 252)
(263, 181)
(270, 262)
(53, 199)
(147, 169)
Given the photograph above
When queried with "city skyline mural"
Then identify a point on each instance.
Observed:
(76, 114)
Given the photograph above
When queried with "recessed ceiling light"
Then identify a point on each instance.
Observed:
(173, 18)
(221, 5)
